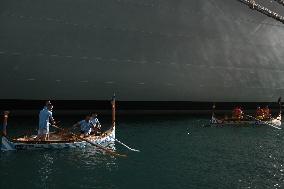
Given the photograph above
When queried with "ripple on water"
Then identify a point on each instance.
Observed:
(229, 157)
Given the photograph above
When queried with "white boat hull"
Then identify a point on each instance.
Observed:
(8, 145)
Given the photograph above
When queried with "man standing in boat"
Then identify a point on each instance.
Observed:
(86, 126)
(45, 117)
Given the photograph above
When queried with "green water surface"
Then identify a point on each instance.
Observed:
(176, 152)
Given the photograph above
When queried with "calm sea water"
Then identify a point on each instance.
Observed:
(176, 152)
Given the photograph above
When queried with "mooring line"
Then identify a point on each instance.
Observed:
(132, 149)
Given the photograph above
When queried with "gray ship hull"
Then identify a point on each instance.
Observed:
(143, 50)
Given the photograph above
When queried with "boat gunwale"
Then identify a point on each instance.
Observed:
(105, 134)
(216, 121)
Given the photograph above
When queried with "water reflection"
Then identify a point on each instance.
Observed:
(86, 167)
(46, 168)
(228, 157)
(266, 166)
(93, 157)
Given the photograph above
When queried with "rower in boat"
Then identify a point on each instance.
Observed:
(259, 113)
(95, 121)
(237, 113)
(86, 126)
(237, 117)
(45, 117)
(266, 113)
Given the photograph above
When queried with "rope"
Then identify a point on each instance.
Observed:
(132, 149)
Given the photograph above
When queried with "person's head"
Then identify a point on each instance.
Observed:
(6, 113)
(47, 103)
(258, 107)
(49, 107)
(93, 115)
(87, 117)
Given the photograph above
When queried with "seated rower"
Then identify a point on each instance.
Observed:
(86, 126)
(45, 120)
(259, 114)
(95, 121)
(266, 113)
(237, 113)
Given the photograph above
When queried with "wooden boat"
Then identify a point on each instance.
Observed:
(59, 140)
(247, 120)
(252, 121)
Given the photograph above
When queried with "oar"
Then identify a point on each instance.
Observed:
(132, 149)
(264, 122)
(94, 144)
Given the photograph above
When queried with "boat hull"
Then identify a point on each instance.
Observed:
(219, 122)
(9, 145)
(144, 50)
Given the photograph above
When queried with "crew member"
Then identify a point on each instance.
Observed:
(266, 113)
(86, 125)
(45, 117)
(95, 121)
(46, 104)
(237, 113)
(259, 113)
